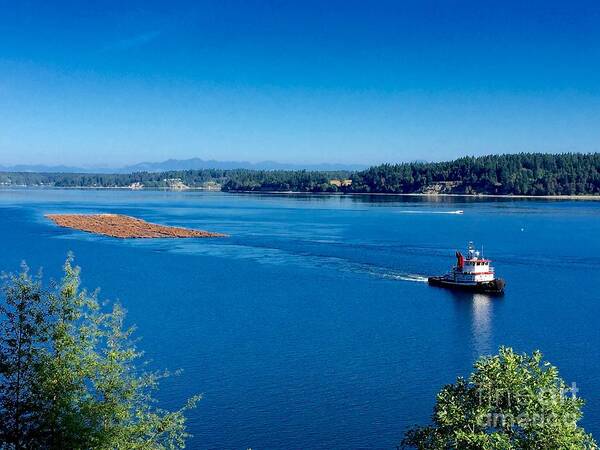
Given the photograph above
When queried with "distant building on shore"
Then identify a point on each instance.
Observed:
(210, 186)
(176, 184)
(341, 183)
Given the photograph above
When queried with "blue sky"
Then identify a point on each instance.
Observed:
(112, 83)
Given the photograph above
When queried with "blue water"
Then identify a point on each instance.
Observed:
(311, 326)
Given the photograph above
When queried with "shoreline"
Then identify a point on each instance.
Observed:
(419, 194)
(383, 194)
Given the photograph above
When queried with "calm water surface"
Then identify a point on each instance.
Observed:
(311, 326)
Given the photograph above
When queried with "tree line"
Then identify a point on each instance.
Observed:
(518, 174)
(514, 174)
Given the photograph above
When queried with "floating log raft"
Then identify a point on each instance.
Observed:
(121, 226)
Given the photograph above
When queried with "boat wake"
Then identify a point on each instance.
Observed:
(414, 211)
(406, 277)
(265, 254)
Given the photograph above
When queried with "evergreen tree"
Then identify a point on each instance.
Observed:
(82, 386)
(22, 331)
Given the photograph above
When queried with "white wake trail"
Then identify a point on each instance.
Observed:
(458, 211)
(406, 277)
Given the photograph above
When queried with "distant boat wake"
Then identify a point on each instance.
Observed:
(414, 211)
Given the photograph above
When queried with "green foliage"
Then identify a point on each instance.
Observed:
(69, 376)
(511, 401)
(281, 180)
(231, 180)
(21, 325)
(519, 174)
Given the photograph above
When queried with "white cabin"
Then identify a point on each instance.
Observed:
(472, 268)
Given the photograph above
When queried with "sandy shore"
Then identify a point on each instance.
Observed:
(120, 226)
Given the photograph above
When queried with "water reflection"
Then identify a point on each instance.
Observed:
(481, 323)
(478, 310)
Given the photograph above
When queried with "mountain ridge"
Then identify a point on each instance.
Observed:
(182, 164)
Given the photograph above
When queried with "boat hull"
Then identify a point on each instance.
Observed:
(492, 287)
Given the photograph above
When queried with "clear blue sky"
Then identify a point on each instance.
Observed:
(111, 83)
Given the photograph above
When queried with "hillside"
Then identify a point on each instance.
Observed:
(518, 174)
(515, 174)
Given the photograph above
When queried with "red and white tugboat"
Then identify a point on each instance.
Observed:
(471, 273)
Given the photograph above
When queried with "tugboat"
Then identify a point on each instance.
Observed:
(471, 273)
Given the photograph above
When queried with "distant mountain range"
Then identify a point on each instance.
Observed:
(181, 164)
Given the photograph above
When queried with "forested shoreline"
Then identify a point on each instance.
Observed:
(514, 174)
